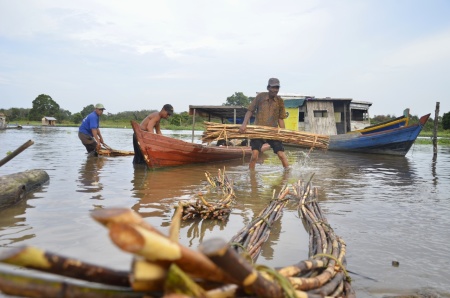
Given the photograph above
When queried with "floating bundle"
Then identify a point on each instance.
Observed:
(114, 152)
(105, 150)
(249, 240)
(324, 273)
(161, 266)
(217, 131)
(207, 209)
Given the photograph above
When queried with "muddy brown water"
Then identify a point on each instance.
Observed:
(387, 209)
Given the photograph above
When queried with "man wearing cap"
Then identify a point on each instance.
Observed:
(151, 123)
(270, 111)
(89, 131)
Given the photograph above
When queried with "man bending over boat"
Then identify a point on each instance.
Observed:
(89, 131)
(270, 111)
(150, 124)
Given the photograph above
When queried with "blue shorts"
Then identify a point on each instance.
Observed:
(274, 144)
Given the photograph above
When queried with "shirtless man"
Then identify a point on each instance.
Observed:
(150, 124)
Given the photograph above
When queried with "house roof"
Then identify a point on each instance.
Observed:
(290, 101)
(293, 103)
(49, 118)
(218, 111)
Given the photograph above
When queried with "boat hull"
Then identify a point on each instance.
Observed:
(160, 151)
(395, 141)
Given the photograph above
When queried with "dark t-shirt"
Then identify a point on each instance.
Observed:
(267, 111)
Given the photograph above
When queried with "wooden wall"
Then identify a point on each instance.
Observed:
(320, 125)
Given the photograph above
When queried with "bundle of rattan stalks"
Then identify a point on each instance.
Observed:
(217, 131)
(220, 208)
(105, 150)
(250, 239)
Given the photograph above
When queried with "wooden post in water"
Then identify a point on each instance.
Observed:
(436, 116)
(193, 126)
(16, 152)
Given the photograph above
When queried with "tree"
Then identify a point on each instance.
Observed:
(87, 110)
(43, 105)
(446, 121)
(77, 118)
(16, 114)
(238, 99)
(64, 115)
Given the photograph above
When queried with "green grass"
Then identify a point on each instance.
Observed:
(429, 133)
(443, 137)
(118, 124)
(429, 141)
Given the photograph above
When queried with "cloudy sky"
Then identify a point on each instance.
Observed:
(141, 54)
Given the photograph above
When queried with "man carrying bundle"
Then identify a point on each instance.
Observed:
(270, 111)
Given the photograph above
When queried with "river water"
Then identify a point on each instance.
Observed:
(385, 208)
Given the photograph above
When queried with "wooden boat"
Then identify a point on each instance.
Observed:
(396, 141)
(161, 151)
(387, 125)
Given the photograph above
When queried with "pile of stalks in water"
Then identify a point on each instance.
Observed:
(161, 267)
(217, 131)
(249, 240)
(105, 150)
(211, 209)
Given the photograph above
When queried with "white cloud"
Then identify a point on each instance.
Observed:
(204, 51)
(424, 51)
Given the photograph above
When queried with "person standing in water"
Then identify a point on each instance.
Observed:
(89, 130)
(270, 111)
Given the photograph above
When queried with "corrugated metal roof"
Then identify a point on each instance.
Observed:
(293, 103)
(218, 111)
(50, 118)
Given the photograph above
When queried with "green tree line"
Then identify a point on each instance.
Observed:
(44, 105)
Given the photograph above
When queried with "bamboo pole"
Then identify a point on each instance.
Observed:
(15, 284)
(436, 123)
(35, 258)
(16, 152)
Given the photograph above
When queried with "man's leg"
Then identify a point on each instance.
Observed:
(284, 161)
(88, 142)
(256, 145)
(252, 164)
(278, 149)
(138, 157)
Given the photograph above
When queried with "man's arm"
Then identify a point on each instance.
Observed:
(100, 134)
(158, 128)
(247, 117)
(97, 135)
(152, 124)
(283, 115)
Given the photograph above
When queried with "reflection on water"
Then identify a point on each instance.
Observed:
(13, 225)
(197, 229)
(385, 208)
(90, 172)
(158, 190)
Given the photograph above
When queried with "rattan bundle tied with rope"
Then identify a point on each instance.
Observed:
(218, 131)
